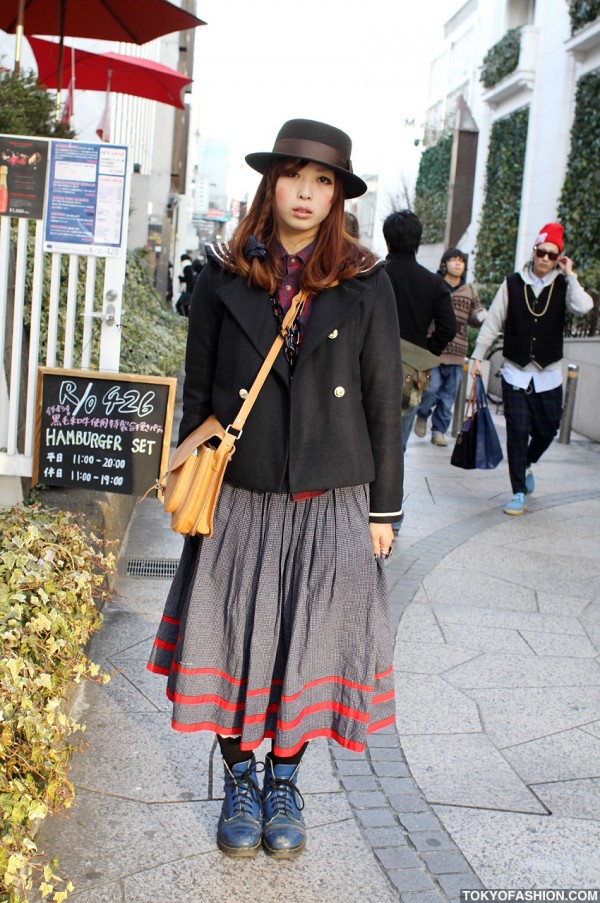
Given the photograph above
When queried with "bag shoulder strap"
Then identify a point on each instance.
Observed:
(292, 314)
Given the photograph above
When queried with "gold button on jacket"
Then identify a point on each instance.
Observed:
(333, 335)
(243, 393)
(339, 392)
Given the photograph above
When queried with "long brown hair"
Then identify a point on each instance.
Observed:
(336, 255)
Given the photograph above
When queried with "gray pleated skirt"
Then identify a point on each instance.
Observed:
(278, 625)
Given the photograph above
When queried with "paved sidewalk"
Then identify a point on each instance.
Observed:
(492, 778)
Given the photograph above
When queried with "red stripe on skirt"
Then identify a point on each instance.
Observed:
(212, 699)
(238, 682)
(162, 644)
(205, 699)
(269, 735)
(385, 673)
(157, 669)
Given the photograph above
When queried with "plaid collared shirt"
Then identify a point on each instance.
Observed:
(290, 284)
(288, 287)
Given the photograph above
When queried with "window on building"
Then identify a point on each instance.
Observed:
(519, 12)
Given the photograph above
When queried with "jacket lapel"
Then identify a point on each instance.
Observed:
(253, 311)
(330, 309)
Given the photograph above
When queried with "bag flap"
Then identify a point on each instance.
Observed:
(417, 357)
(211, 427)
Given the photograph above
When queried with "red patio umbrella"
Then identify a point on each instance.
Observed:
(96, 71)
(133, 21)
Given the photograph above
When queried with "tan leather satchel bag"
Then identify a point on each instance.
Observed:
(190, 488)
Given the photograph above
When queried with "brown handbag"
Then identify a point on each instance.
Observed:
(190, 488)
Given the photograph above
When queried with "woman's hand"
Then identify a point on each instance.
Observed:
(382, 537)
(476, 369)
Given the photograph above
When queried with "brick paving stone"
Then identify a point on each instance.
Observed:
(424, 896)
(453, 884)
(397, 785)
(398, 858)
(340, 752)
(406, 802)
(378, 818)
(359, 782)
(427, 841)
(366, 799)
(420, 821)
(390, 767)
(444, 862)
(381, 738)
(357, 766)
(410, 879)
(386, 837)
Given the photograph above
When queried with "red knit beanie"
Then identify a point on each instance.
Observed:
(551, 232)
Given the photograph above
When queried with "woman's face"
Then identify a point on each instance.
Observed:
(303, 199)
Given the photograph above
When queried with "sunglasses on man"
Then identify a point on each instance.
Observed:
(551, 255)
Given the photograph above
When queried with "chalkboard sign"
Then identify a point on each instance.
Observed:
(102, 431)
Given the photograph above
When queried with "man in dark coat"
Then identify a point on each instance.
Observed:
(425, 313)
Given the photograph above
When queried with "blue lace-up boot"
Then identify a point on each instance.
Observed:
(240, 823)
(284, 833)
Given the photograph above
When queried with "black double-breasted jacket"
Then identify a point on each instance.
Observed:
(336, 421)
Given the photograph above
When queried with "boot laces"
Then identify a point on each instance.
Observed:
(285, 793)
(247, 793)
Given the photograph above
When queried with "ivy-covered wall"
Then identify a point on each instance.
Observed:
(582, 12)
(431, 190)
(501, 59)
(499, 223)
(579, 205)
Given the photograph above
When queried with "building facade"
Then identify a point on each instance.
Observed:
(548, 61)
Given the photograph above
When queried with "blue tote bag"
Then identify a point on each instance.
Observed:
(477, 444)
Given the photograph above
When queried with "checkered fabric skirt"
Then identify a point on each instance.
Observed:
(278, 625)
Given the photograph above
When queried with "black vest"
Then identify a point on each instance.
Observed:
(529, 338)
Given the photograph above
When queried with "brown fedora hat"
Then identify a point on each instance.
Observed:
(315, 141)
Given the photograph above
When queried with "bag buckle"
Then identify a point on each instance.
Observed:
(231, 428)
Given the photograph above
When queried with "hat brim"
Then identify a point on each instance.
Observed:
(353, 185)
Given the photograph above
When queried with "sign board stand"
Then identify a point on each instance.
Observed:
(102, 431)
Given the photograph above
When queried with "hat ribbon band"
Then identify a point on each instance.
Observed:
(312, 150)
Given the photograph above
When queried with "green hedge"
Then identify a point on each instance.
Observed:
(501, 59)
(152, 336)
(51, 583)
(499, 224)
(579, 205)
(582, 12)
(431, 191)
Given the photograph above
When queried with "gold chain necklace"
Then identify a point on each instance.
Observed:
(544, 311)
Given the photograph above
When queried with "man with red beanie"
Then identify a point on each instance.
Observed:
(530, 309)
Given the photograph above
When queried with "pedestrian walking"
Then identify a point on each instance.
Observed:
(438, 398)
(427, 320)
(277, 626)
(530, 309)
(186, 282)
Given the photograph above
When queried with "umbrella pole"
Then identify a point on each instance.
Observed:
(61, 47)
(19, 35)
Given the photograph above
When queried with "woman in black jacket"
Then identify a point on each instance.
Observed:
(278, 625)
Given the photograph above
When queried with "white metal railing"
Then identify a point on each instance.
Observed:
(18, 381)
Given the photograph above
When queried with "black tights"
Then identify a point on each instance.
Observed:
(233, 755)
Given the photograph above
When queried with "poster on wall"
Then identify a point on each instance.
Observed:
(86, 191)
(23, 164)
